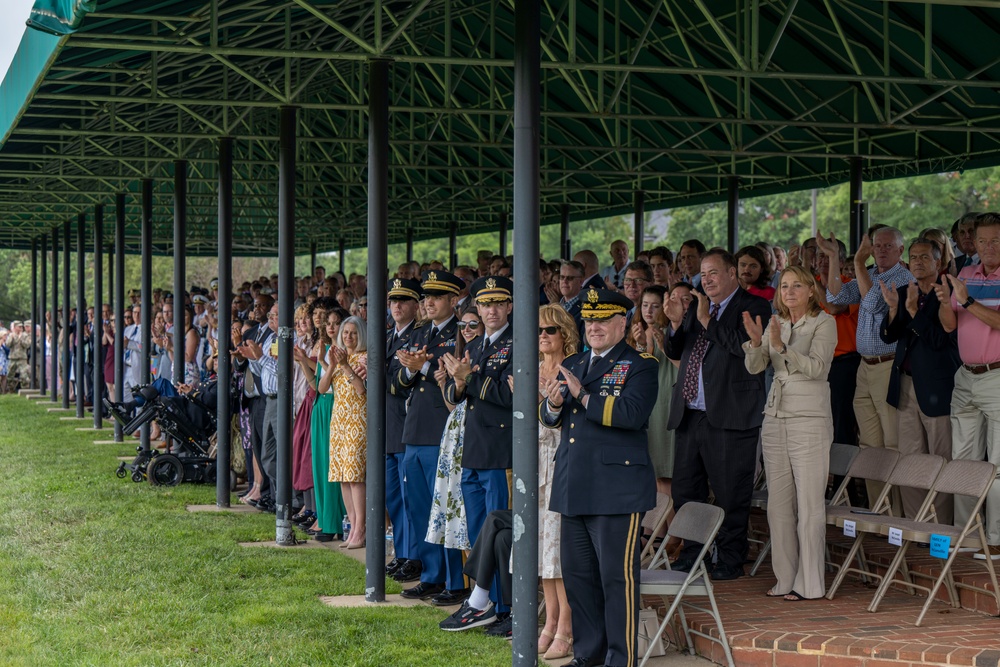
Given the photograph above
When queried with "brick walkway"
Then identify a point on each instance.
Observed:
(842, 633)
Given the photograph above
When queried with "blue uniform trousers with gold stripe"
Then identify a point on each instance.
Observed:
(600, 567)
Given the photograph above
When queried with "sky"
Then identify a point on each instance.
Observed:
(11, 28)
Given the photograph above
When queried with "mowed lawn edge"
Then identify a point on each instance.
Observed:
(102, 571)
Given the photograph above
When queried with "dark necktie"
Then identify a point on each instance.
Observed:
(434, 332)
(594, 359)
(690, 386)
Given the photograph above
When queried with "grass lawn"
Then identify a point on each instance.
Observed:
(102, 571)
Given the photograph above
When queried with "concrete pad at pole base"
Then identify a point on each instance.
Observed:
(237, 508)
(126, 458)
(27, 392)
(271, 544)
(32, 397)
(354, 601)
(61, 410)
(90, 428)
(107, 442)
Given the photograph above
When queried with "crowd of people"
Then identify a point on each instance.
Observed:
(680, 372)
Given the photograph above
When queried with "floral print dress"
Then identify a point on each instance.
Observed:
(447, 524)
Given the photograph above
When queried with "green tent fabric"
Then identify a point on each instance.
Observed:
(59, 17)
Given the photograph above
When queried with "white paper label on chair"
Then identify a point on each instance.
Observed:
(896, 537)
(850, 528)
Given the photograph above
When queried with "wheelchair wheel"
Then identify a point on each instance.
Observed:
(165, 470)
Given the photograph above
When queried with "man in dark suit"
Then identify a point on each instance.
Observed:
(923, 372)
(717, 409)
(603, 479)
(571, 287)
(404, 294)
(964, 235)
(441, 577)
(480, 378)
(591, 269)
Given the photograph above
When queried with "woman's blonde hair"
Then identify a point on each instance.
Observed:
(557, 315)
(943, 244)
(807, 278)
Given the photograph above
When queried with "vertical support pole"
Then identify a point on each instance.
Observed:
(452, 245)
(81, 314)
(286, 325)
(312, 257)
(564, 247)
(119, 307)
(98, 331)
(180, 264)
(503, 234)
(638, 221)
(54, 344)
(854, 193)
(111, 275)
(33, 351)
(409, 244)
(341, 248)
(527, 95)
(733, 213)
(43, 345)
(378, 223)
(224, 314)
(66, 354)
(146, 251)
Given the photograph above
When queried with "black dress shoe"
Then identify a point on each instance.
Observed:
(723, 572)
(410, 571)
(422, 591)
(585, 662)
(323, 537)
(683, 564)
(393, 566)
(449, 597)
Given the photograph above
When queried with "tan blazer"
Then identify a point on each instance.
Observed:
(800, 388)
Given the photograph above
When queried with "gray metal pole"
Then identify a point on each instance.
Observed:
(81, 315)
(733, 213)
(111, 274)
(378, 225)
(98, 332)
(180, 253)
(452, 245)
(638, 220)
(527, 95)
(33, 374)
(409, 244)
(43, 384)
(224, 314)
(342, 247)
(146, 334)
(503, 234)
(286, 324)
(564, 234)
(54, 345)
(312, 257)
(66, 357)
(119, 307)
(854, 193)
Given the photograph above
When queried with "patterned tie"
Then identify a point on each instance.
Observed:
(690, 386)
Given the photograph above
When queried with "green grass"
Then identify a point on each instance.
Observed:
(96, 570)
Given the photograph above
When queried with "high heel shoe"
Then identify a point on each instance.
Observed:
(356, 545)
(553, 654)
(544, 647)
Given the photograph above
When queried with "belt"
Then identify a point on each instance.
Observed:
(271, 395)
(979, 369)
(874, 361)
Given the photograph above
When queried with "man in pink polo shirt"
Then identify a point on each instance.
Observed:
(973, 305)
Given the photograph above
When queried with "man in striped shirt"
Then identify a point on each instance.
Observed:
(973, 306)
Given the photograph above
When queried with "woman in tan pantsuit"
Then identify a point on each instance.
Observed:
(798, 428)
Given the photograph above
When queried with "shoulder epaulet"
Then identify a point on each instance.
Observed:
(646, 355)
(420, 325)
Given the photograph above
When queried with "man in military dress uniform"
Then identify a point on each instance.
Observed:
(603, 479)
(480, 377)
(19, 342)
(404, 295)
(441, 578)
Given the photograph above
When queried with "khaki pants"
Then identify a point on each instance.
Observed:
(975, 429)
(920, 434)
(876, 418)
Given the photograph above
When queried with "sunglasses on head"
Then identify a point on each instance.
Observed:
(552, 331)
(471, 324)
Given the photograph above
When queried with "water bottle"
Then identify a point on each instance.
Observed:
(390, 550)
(345, 528)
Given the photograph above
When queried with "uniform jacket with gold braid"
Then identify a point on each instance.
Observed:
(426, 414)
(489, 442)
(602, 465)
(395, 397)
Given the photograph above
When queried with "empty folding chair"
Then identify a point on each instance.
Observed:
(694, 522)
(653, 522)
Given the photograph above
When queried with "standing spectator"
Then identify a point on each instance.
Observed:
(133, 352)
(591, 269)
(716, 410)
(262, 359)
(940, 239)
(754, 273)
(305, 376)
(660, 259)
(963, 232)
(797, 430)
(971, 303)
(689, 261)
(923, 372)
(570, 284)
(614, 273)
(638, 276)
(877, 420)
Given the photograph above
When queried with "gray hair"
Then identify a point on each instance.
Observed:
(896, 235)
(923, 240)
(362, 329)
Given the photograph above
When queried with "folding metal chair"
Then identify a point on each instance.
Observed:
(653, 522)
(917, 471)
(694, 522)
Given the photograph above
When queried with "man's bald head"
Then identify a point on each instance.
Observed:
(589, 260)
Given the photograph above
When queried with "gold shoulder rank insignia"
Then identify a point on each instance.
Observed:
(646, 355)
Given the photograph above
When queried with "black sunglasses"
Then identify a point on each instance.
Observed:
(471, 324)
(552, 331)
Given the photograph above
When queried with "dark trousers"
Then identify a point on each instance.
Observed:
(395, 504)
(725, 460)
(256, 408)
(440, 565)
(484, 491)
(600, 567)
(490, 555)
(269, 444)
(843, 379)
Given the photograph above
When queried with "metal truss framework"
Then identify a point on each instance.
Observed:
(669, 97)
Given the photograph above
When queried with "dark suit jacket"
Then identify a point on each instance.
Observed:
(933, 355)
(426, 414)
(597, 281)
(489, 441)
(602, 464)
(734, 398)
(395, 398)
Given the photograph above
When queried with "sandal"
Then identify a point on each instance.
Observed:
(772, 594)
(552, 654)
(542, 648)
(796, 597)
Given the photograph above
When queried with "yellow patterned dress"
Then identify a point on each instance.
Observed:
(348, 428)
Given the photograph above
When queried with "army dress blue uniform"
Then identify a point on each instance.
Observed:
(603, 482)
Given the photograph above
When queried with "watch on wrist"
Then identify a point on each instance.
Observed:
(968, 302)
(580, 396)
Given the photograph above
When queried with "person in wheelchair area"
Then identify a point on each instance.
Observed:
(192, 408)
